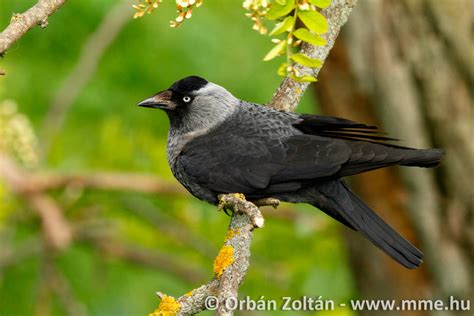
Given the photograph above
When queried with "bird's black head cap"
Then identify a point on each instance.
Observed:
(188, 84)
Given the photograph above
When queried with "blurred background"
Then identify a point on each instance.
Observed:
(93, 223)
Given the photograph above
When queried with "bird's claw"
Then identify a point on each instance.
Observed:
(222, 203)
(228, 212)
(238, 203)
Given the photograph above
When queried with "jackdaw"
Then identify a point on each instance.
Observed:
(220, 144)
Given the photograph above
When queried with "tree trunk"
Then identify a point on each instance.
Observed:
(407, 66)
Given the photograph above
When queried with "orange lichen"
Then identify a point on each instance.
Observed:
(189, 293)
(223, 260)
(231, 233)
(169, 306)
(239, 196)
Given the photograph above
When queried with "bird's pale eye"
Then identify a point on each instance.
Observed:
(186, 99)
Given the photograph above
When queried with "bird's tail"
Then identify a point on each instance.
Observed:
(344, 205)
(426, 158)
(380, 156)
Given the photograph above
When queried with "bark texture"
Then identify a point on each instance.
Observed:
(23, 22)
(407, 66)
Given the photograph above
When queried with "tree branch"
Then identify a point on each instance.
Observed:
(118, 181)
(21, 23)
(288, 95)
(55, 281)
(230, 265)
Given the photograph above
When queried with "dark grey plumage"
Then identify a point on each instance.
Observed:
(220, 144)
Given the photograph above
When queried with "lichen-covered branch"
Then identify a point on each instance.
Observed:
(21, 23)
(235, 254)
(288, 95)
(230, 265)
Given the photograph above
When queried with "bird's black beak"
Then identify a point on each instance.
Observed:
(161, 100)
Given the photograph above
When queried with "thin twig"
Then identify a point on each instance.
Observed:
(56, 229)
(61, 286)
(21, 23)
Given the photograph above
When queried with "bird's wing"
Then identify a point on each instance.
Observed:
(369, 148)
(243, 159)
(335, 127)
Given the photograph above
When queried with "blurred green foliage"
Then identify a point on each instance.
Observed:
(104, 130)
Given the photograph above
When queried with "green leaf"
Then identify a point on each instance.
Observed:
(314, 20)
(282, 2)
(275, 51)
(305, 78)
(278, 10)
(282, 70)
(283, 26)
(305, 35)
(323, 4)
(306, 61)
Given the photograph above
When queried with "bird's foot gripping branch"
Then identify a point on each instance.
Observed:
(230, 265)
(237, 203)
